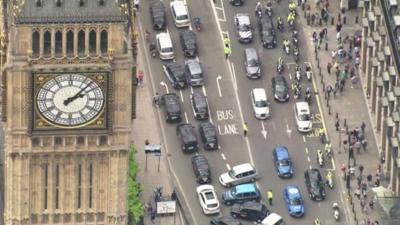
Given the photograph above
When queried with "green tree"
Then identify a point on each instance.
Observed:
(135, 207)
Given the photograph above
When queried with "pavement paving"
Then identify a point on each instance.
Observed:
(350, 106)
(154, 171)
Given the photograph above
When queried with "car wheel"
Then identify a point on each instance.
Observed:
(234, 215)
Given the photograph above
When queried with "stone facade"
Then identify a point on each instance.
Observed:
(67, 176)
(380, 68)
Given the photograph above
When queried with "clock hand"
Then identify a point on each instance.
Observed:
(77, 95)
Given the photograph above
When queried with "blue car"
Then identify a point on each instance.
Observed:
(282, 162)
(293, 200)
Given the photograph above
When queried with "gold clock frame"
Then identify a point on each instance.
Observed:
(100, 124)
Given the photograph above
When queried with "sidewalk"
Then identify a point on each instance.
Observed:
(350, 106)
(145, 127)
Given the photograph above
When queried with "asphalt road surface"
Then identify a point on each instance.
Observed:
(228, 92)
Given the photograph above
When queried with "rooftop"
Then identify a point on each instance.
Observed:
(70, 11)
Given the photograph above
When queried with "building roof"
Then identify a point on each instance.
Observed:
(70, 11)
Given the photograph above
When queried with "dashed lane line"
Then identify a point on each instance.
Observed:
(304, 138)
(223, 156)
(309, 160)
(186, 118)
(306, 150)
(228, 166)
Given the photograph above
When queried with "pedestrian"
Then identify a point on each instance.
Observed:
(339, 37)
(362, 204)
(357, 193)
(339, 18)
(156, 99)
(364, 144)
(369, 179)
(153, 215)
(357, 146)
(270, 196)
(329, 90)
(136, 3)
(345, 146)
(312, 19)
(371, 204)
(352, 172)
(227, 51)
(245, 129)
(338, 27)
(363, 126)
(377, 182)
(325, 30)
(140, 77)
(329, 67)
(333, 53)
(351, 152)
(337, 124)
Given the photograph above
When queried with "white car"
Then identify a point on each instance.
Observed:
(180, 14)
(303, 117)
(260, 103)
(243, 173)
(208, 199)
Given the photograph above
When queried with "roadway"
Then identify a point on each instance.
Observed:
(228, 92)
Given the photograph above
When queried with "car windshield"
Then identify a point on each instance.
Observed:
(210, 133)
(182, 17)
(167, 50)
(304, 117)
(209, 195)
(295, 201)
(261, 103)
(284, 162)
(244, 27)
(232, 173)
(253, 62)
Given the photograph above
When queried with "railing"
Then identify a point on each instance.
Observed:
(131, 25)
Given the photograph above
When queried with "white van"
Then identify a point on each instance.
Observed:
(273, 219)
(164, 46)
(180, 14)
(260, 103)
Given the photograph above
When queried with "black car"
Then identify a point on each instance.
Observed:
(158, 17)
(201, 169)
(224, 220)
(267, 32)
(280, 88)
(188, 43)
(253, 211)
(186, 134)
(173, 112)
(236, 2)
(199, 105)
(175, 74)
(208, 135)
(315, 185)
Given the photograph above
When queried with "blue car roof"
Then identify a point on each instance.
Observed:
(292, 191)
(245, 188)
(281, 152)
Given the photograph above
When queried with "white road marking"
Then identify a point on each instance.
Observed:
(333, 163)
(306, 150)
(223, 156)
(290, 63)
(304, 138)
(223, 12)
(162, 83)
(310, 167)
(330, 169)
(186, 118)
(308, 159)
(180, 92)
(191, 89)
(234, 77)
(263, 131)
(290, 76)
(228, 166)
(204, 90)
(219, 77)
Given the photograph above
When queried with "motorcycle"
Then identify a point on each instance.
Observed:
(307, 98)
(279, 67)
(269, 11)
(308, 74)
(286, 48)
(320, 158)
(295, 39)
(336, 211)
(298, 74)
(280, 26)
(153, 50)
(296, 93)
(197, 23)
(291, 24)
(329, 180)
(259, 12)
(296, 54)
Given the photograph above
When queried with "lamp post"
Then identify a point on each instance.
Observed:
(2, 45)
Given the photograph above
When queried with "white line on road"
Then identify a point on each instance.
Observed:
(180, 92)
(186, 118)
(223, 156)
(263, 131)
(290, 76)
(333, 163)
(218, 8)
(219, 77)
(204, 90)
(234, 77)
(304, 138)
(306, 150)
(191, 89)
(162, 83)
(228, 166)
(310, 167)
(330, 169)
(308, 158)
(223, 12)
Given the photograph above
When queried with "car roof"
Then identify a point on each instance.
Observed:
(245, 188)
(180, 8)
(157, 7)
(243, 18)
(199, 99)
(252, 205)
(164, 39)
(193, 65)
(271, 219)
(314, 173)
(251, 53)
(171, 102)
(259, 94)
(279, 79)
(243, 168)
(209, 129)
(187, 132)
(303, 107)
(176, 68)
(282, 152)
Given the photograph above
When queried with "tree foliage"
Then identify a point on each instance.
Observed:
(135, 207)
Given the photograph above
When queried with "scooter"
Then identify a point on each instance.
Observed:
(308, 74)
(296, 93)
(153, 50)
(280, 26)
(307, 98)
(286, 48)
(295, 39)
(298, 74)
(336, 211)
(279, 67)
(197, 23)
(291, 24)
(329, 180)
(320, 158)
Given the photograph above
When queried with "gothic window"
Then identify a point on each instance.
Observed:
(35, 43)
(92, 41)
(102, 2)
(39, 3)
(90, 184)
(70, 43)
(46, 182)
(58, 44)
(57, 191)
(104, 42)
(58, 3)
(47, 43)
(81, 42)
(79, 186)
(81, 3)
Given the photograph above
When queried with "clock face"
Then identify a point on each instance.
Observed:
(70, 100)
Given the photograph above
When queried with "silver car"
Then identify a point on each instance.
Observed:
(243, 173)
(194, 72)
(243, 27)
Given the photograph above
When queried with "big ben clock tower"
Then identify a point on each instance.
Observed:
(67, 111)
